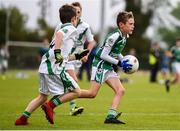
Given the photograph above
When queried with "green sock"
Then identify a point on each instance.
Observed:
(56, 101)
(26, 114)
(112, 113)
(72, 104)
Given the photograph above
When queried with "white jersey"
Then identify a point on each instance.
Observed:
(84, 34)
(48, 65)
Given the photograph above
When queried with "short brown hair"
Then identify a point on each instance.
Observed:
(123, 17)
(178, 39)
(77, 4)
(66, 13)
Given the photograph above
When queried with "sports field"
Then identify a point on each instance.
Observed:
(145, 106)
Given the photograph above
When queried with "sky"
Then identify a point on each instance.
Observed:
(91, 11)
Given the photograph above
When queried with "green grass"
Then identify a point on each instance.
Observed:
(145, 106)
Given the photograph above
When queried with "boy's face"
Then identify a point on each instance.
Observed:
(128, 27)
(78, 12)
(178, 43)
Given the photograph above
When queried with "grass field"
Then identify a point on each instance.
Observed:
(145, 106)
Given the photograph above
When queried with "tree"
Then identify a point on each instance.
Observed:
(170, 35)
(3, 17)
(12, 19)
(138, 40)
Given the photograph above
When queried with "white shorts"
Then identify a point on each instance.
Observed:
(73, 65)
(101, 75)
(3, 64)
(176, 67)
(57, 84)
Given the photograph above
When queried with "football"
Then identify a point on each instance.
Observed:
(133, 61)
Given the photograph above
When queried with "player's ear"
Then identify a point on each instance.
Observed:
(121, 24)
(74, 20)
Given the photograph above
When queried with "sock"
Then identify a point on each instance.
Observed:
(55, 102)
(26, 114)
(72, 104)
(112, 113)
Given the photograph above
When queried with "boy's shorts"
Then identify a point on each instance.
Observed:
(57, 84)
(176, 67)
(101, 75)
(73, 65)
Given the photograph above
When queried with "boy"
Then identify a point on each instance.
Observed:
(84, 34)
(102, 71)
(175, 52)
(53, 78)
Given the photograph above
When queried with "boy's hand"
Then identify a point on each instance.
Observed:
(84, 59)
(125, 65)
(58, 56)
(81, 54)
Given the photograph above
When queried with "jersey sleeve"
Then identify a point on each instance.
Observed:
(107, 49)
(89, 35)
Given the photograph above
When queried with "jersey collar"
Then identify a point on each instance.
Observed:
(127, 36)
(66, 24)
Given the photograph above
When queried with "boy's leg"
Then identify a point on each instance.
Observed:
(74, 109)
(176, 70)
(32, 106)
(117, 87)
(49, 106)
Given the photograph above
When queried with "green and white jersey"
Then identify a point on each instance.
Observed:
(176, 53)
(84, 34)
(114, 42)
(48, 65)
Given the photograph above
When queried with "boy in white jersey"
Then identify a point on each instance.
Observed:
(84, 34)
(175, 53)
(102, 71)
(53, 78)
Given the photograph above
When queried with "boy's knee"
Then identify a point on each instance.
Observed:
(121, 91)
(92, 94)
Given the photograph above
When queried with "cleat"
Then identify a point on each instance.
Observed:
(49, 112)
(167, 85)
(118, 115)
(77, 110)
(113, 121)
(21, 121)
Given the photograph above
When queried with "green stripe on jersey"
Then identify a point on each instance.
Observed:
(82, 34)
(48, 62)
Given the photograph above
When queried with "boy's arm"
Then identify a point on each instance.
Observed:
(57, 51)
(91, 42)
(58, 39)
(105, 56)
(106, 51)
(120, 57)
(78, 55)
(90, 47)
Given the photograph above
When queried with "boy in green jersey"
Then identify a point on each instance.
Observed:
(175, 53)
(102, 71)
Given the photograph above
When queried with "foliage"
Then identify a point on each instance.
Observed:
(17, 27)
(167, 35)
(140, 43)
(3, 25)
